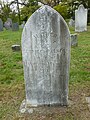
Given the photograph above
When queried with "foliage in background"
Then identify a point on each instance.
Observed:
(63, 10)
(7, 12)
(74, 4)
(66, 8)
(86, 3)
(26, 12)
(14, 16)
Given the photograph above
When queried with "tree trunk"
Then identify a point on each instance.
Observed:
(18, 11)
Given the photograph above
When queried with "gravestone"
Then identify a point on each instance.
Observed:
(23, 24)
(16, 47)
(46, 58)
(8, 24)
(1, 25)
(15, 26)
(81, 19)
(74, 40)
(71, 23)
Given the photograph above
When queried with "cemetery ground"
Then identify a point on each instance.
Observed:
(12, 88)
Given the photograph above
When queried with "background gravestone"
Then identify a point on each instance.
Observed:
(8, 24)
(71, 23)
(46, 58)
(1, 25)
(23, 24)
(81, 19)
(15, 26)
(74, 40)
(15, 47)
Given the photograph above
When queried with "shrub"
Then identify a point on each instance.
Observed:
(62, 8)
(26, 12)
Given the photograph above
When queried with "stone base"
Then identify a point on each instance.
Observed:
(28, 108)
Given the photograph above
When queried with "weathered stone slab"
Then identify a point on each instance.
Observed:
(81, 19)
(1, 25)
(46, 58)
(74, 40)
(8, 24)
(16, 47)
(15, 27)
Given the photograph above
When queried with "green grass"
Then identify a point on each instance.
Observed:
(12, 90)
(80, 59)
(10, 62)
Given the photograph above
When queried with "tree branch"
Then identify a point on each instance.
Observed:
(15, 2)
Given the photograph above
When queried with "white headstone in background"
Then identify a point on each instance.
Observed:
(81, 19)
(46, 58)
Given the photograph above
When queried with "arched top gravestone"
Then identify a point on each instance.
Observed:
(1, 25)
(8, 24)
(81, 19)
(46, 58)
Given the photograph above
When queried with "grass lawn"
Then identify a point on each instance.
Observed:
(12, 89)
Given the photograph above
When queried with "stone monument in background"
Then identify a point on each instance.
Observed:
(74, 40)
(8, 24)
(46, 59)
(23, 24)
(15, 26)
(81, 19)
(1, 25)
(72, 23)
